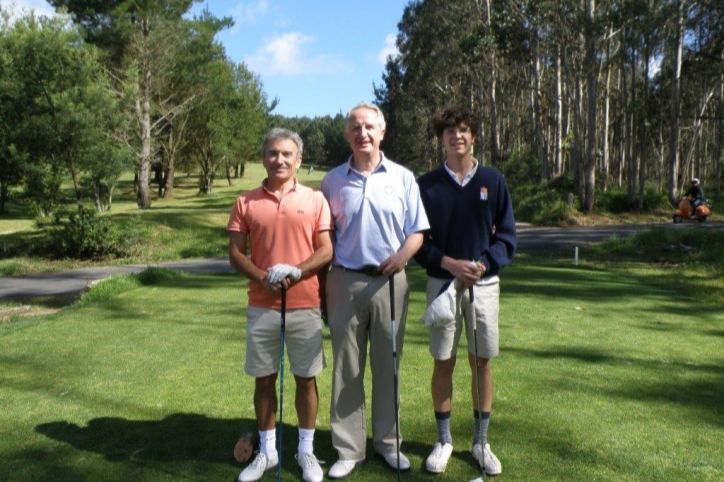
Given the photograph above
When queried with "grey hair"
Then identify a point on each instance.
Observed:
(368, 105)
(277, 133)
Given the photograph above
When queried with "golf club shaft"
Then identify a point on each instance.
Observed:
(479, 420)
(394, 372)
(281, 381)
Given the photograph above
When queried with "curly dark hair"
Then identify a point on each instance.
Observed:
(451, 117)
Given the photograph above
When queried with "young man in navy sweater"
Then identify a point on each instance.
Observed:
(472, 236)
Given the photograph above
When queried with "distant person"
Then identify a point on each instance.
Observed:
(378, 222)
(311, 170)
(472, 236)
(287, 226)
(695, 194)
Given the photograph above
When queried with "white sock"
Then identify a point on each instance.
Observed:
(268, 442)
(306, 441)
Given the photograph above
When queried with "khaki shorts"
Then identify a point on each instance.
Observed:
(444, 340)
(302, 337)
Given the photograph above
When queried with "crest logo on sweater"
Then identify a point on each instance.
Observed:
(483, 193)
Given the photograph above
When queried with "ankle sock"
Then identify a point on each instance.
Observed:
(268, 442)
(306, 441)
(482, 419)
(443, 427)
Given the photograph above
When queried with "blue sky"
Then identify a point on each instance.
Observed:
(319, 57)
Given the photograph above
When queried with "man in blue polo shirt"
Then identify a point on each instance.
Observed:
(378, 221)
(472, 236)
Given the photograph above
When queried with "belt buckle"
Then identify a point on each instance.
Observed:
(371, 270)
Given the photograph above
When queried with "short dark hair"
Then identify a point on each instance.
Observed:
(453, 116)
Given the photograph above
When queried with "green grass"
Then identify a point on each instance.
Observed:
(186, 227)
(603, 376)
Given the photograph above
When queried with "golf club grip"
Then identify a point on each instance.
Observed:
(392, 296)
(284, 308)
(393, 328)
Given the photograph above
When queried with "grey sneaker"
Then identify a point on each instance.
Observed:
(311, 471)
(492, 464)
(437, 461)
(256, 469)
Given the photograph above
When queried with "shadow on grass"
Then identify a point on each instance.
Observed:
(595, 285)
(189, 437)
(181, 436)
(699, 387)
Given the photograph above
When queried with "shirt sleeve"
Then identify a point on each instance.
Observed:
(236, 219)
(415, 218)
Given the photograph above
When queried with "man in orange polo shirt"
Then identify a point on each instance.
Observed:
(288, 227)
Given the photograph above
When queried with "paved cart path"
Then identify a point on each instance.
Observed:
(73, 282)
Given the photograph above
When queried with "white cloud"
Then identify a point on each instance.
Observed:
(389, 50)
(40, 7)
(249, 13)
(287, 54)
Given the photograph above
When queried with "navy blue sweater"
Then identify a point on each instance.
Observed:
(474, 222)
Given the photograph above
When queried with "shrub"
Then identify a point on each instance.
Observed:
(616, 200)
(85, 236)
(538, 204)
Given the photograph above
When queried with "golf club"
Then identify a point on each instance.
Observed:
(395, 377)
(281, 382)
(471, 291)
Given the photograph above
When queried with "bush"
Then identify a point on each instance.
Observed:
(616, 200)
(541, 205)
(85, 236)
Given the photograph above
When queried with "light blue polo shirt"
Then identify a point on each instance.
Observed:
(372, 215)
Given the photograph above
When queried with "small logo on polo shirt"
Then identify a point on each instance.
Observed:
(483, 193)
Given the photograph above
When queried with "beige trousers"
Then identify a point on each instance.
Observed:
(359, 310)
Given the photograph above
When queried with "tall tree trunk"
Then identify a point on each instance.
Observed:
(492, 87)
(676, 105)
(720, 131)
(535, 97)
(644, 132)
(633, 152)
(558, 164)
(590, 194)
(624, 138)
(606, 114)
(143, 108)
(578, 133)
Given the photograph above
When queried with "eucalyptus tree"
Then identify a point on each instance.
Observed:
(430, 72)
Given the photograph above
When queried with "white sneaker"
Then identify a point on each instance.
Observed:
(492, 464)
(391, 460)
(342, 468)
(311, 471)
(437, 461)
(255, 470)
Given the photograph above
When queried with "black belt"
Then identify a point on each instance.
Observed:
(365, 270)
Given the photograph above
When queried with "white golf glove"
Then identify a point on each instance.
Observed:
(280, 271)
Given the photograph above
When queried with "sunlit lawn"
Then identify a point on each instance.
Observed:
(188, 226)
(603, 376)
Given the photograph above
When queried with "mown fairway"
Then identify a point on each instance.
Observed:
(603, 376)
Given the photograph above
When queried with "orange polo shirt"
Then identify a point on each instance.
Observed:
(282, 231)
